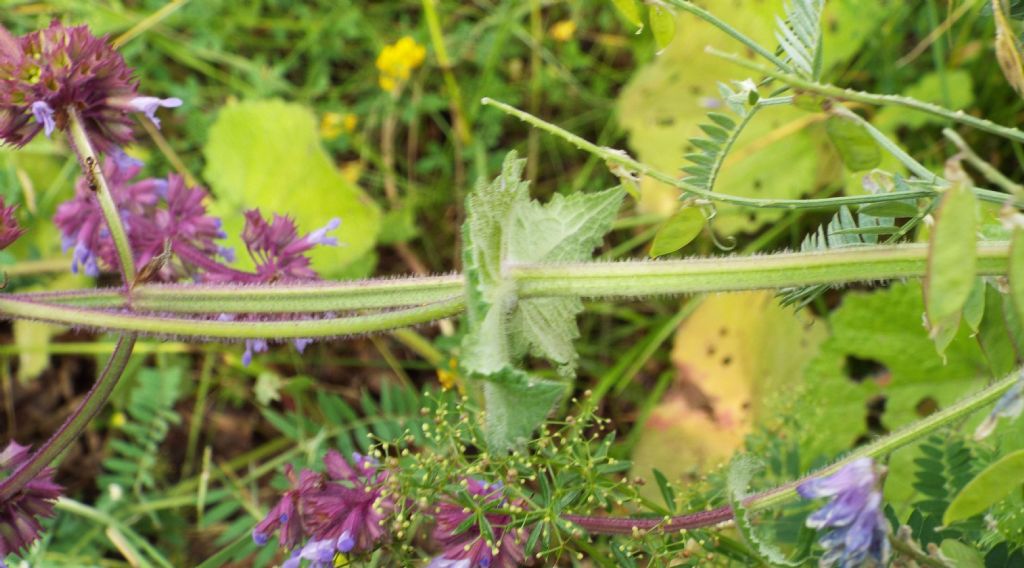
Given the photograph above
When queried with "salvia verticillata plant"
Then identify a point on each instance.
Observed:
(495, 477)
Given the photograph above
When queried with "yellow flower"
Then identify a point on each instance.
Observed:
(333, 124)
(563, 30)
(396, 62)
(449, 377)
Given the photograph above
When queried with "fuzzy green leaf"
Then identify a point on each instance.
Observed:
(987, 488)
(663, 25)
(630, 9)
(678, 231)
(951, 262)
(517, 403)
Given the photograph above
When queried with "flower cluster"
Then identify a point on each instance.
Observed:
(396, 62)
(856, 531)
(9, 228)
(46, 74)
(338, 512)
(499, 547)
(20, 514)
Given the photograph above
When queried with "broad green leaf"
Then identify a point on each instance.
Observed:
(516, 404)
(962, 555)
(1016, 271)
(630, 9)
(856, 147)
(663, 25)
(879, 351)
(267, 154)
(678, 231)
(951, 262)
(987, 488)
(742, 470)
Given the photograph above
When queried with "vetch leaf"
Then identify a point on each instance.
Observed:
(951, 262)
(663, 25)
(962, 555)
(678, 231)
(900, 208)
(1008, 49)
(267, 154)
(987, 488)
(856, 147)
(630, 9)
(741, 471)
(974, 308)
(1016, 271)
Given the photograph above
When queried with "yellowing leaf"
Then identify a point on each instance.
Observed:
(267, 154)
(678, 231)
(951, 262)
(988, 488)
(735, 350)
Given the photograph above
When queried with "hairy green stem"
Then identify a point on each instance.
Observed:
(827, 90)
(787, 492)
(594, 279)
(623, 159)
(219, 329)
(647, 278)
(98, 182)
(75, 423)
(307, 297)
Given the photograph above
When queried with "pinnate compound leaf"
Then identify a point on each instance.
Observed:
(856, 147)
(742, 469)
(678, 231)
(987, 488)
(267, 154)
(951, 262)
(517, 403)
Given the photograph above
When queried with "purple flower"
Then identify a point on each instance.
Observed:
(285, 517)
(148, 106)
(350, 509)
(855, 527)
(45, 73)
(155, 212)
(253, 346)
(9, 228)
(278, 251)
(500, 547)
(19, 514)
(1010, 406)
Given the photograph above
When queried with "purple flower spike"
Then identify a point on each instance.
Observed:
(9, 228)
(149, 106)
(320, 553)
(350, 509)
(46, 73)
(286, 517)
(502, 548)
(20, 514)
(855, 527)
(44, 116)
